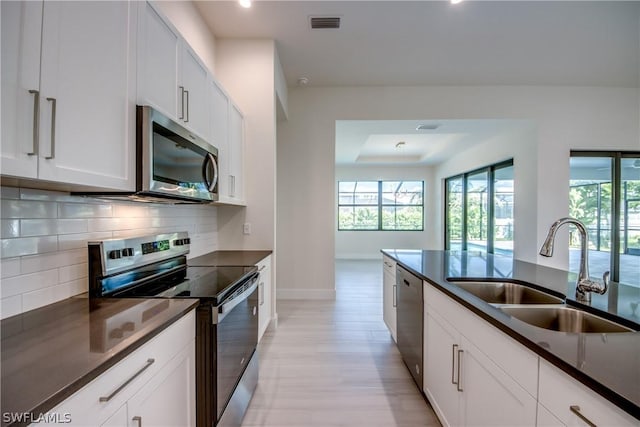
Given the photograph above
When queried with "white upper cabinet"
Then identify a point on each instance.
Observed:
(171, 77)
(72, 111)
(236, 154)
(220, 136)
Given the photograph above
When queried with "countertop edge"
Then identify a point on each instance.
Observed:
(616, 399)
(78, 384)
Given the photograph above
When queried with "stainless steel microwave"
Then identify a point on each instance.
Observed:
(173, 165)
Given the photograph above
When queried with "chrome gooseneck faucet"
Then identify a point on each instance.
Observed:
(584, 286)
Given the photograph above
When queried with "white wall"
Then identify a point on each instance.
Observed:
(45, 235)
(367, 244)
(246, 68)
(562, 118)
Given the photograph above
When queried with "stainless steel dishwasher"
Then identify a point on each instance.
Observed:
(410, 314)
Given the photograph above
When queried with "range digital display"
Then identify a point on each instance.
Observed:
(158, 246)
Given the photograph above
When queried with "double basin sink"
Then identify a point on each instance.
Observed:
(537, 308)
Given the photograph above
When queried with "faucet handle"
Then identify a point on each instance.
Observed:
(605, 282)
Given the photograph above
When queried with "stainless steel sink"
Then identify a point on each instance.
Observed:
(563, 319)
(506, 292)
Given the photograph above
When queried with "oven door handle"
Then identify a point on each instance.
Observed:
(221, 312)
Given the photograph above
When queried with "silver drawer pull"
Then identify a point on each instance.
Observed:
(576, 410)
(138, 419)
(454, 348)
(54, 102)
(460, 352)
(262, 268)
(126, 383)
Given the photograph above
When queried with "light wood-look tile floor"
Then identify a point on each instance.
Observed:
(333, 363)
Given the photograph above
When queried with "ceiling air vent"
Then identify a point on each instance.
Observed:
(324, 22)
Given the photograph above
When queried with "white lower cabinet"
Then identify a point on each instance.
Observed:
(565, 401)
(265, 296)
(154, 385)
(463, 383)
(389, 295)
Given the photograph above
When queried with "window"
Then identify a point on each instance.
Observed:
(604, 193)
(479, 209)
(381, 205)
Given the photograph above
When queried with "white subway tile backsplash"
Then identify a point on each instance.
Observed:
(28, 282)
(9, 192)
(10, 306)
(9, 228)
(38, 227)
(9, 267)
(28, 246)
(73, 272)
(27, 209)
(76, 241)
(45, 234)
(84, 210)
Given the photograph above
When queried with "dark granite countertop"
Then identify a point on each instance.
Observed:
(229, 258)
(51, 352)
(607, 363)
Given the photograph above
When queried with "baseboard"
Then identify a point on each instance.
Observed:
(306, 294)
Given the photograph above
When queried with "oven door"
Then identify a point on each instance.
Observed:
(236, 333)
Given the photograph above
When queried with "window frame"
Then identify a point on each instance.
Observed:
(381, 205)
(490, 170)
(616, 205)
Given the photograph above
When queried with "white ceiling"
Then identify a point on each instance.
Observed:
(593, 43)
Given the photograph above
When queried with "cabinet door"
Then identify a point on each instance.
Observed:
(158, 50)
(236, 148)
(21, 33)
(490, 396)
(441, 347)
(168, 399)
(87, 103)
(195, 103)
(265, 311)
(220, 136)
(389, 302)
(119, 419)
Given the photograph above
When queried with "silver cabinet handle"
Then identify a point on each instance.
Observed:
(395, 298)
(127, 382)
(262, 268)
(138, 419)
(387, 264)
(186, 119)
(53, 129)
(453, 362)
(576, 410)
(232, 185)
(459, 363)
(181, 102)
(36, 122)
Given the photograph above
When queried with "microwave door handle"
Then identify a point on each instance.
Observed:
(210, 185)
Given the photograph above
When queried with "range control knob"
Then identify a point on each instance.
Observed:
(181, 242)
(115, 254)
(127, 252)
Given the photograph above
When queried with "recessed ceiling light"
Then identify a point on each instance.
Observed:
(245, 3)
(303, 81)
(432, 126)
(456, 1)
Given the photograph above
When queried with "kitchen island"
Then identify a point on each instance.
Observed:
(607, 363)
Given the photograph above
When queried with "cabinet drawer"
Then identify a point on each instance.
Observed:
(103, 396)
(389, 265)
(559, 392)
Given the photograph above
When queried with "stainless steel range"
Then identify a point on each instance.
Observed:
(226, 318)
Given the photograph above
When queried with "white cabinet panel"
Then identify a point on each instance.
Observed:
(159, 47)
(236, 152)
(87, 124)
(220, 135)
(265, 296)
(559, 392)
(168, 399)
(464, 383)
(195, 95)
(389, 295)
(82, 129)
(21, 25)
